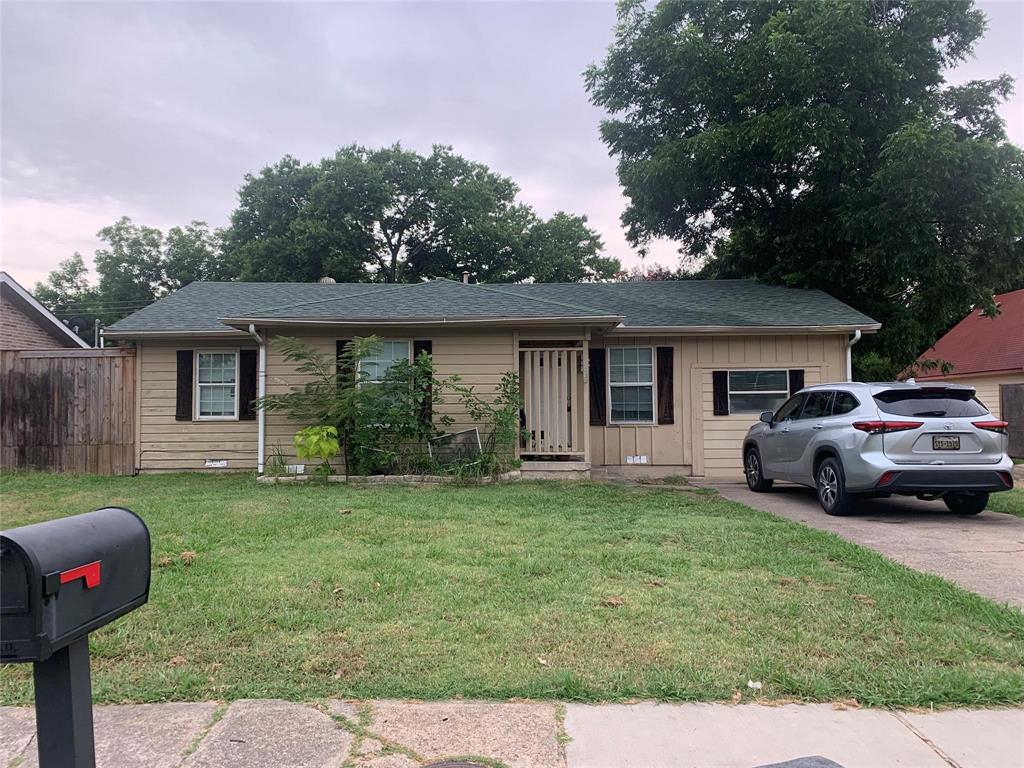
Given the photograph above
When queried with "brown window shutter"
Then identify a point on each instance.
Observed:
(247, 385)
(183, 399)
(345, 371)
(420, 346)
(666, 386)
(796, 380)
(720, 392)
(598, 397)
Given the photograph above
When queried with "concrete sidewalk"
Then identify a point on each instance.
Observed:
(391, 734)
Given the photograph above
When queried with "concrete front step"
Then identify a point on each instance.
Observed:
(555, 470)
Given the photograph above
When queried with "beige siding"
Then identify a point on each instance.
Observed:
(986, 387)
(479, 358)
(662, 444)
(698, 441)
(169, 445)
(717, 454)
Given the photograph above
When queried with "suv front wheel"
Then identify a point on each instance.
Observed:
(966, 503)
(754, 472)
(831, 485)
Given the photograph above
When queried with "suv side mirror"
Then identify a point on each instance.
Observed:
(767, 417)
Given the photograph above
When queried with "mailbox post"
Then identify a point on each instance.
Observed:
(60, 580)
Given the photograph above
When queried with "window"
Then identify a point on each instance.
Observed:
(216, 385)
(790, 407)
(631, 384)
(816, 405)
(937, 402)
(757, 391)
(374, 366)
(844, 403)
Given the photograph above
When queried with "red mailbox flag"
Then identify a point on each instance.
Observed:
(90, 572)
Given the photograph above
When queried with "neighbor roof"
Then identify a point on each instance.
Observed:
(983, 344)
(219, 307)
(44, 318)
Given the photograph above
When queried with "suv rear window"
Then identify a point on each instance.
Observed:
(940, 403)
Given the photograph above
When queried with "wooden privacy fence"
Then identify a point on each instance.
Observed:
(68, 410)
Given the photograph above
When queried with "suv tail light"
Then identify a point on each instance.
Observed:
(992, 426)
(883, 427)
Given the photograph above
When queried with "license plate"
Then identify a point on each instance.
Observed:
(945, 442)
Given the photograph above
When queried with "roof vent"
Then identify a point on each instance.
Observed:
(465, 277)
(326, 280)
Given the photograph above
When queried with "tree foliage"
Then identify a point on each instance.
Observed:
(135, 266)
(394, 215)
(817, 144)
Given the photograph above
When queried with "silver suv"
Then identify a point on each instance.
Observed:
(852, 439)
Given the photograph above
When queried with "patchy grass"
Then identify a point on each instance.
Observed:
(586, 592)
(1011, 502)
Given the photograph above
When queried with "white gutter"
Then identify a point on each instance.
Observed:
(261, 391)
(849, 354)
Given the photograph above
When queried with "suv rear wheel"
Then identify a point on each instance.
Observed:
(831, 484)
(966, 503)
(752, 468)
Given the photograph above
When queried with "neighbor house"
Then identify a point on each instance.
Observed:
(25, 324)
(652, 378)
(985, 352)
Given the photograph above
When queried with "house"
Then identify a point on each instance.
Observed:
(984, 352)
(26, 324)
(653, 378)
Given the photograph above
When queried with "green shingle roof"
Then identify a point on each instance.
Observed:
(201, 307)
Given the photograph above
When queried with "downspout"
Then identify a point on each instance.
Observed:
(849, 354)
(261, 391)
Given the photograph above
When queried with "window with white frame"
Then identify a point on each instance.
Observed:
(385, 354)
(216, 385)
(757, 391)
(631, 384)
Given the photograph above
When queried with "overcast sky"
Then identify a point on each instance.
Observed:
(155, 111)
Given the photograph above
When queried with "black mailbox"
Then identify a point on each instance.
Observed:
(62, 579)
(59, 581)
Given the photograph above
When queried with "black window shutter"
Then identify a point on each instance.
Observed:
(345, 372)
(720, 392)
(183, 399)
(598, 398)
(796, 380)
(419, 346)
(666, 388)
(247, 385)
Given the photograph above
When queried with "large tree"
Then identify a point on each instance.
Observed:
(136, 265)
(395, 215)
(817, 144)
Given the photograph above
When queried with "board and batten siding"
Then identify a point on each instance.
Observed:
(699, 442)
(167, 445)
(718, 453)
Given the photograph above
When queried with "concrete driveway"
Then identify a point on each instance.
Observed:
(983, 553)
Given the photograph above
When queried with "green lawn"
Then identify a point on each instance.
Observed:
(587, 592)
(1011, 502)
